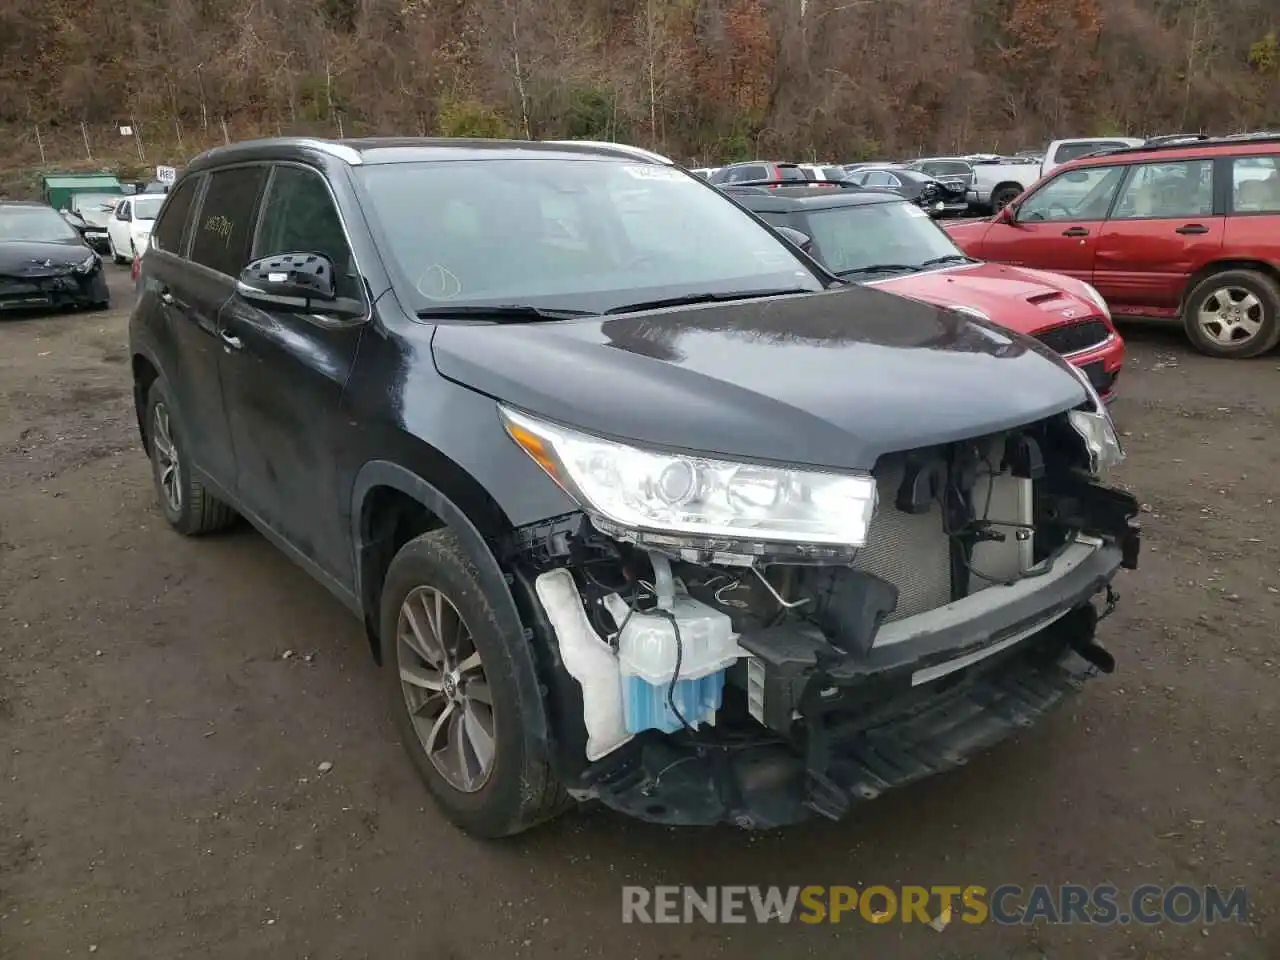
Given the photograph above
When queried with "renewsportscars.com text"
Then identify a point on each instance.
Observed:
(1103, 904)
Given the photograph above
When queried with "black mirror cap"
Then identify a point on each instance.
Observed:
(290, 277)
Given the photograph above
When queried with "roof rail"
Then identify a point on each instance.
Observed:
(1181, 142)
(338, 150)
(638, 152)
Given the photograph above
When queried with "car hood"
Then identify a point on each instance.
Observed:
(1023, 300)
(28, 258)
(835, 379)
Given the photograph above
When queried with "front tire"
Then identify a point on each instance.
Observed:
(187, 505)
(450, 677)
(1234, 314)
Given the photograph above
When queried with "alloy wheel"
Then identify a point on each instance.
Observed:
(1231, 316)
(445, 689)
(168, 466)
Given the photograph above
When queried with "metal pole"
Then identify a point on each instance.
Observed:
(84, 132)
(137, 136)
(40, 144)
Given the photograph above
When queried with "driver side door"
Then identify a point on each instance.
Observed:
(1057, 227)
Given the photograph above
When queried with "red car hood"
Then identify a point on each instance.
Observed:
(1023, 300)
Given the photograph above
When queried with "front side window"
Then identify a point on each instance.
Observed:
(1075, 195)
(859, 238)
(1255, 184)
(168, 233)
(299, 216)
(224, 226)
(583, 235)
(1178, 189)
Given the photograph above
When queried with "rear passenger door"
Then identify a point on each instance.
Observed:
(206, 221)
(283, 373)
(1164, 227)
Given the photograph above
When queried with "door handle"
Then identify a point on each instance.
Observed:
(1075, 232)
(1192, 228)
(230, 340)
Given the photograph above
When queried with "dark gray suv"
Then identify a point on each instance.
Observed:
(636, 502)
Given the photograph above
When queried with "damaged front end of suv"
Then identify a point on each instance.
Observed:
(757, 643)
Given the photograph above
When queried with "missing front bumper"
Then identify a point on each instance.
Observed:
(896, 739)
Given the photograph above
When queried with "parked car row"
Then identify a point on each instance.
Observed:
(637, 500)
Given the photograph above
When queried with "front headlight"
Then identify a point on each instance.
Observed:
(1092, 293)
(1096, 429)
(87, 264)
(697, 496)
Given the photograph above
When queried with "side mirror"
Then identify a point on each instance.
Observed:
(796, 237)
(306, 282)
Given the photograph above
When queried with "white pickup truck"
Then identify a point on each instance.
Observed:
(998, 180)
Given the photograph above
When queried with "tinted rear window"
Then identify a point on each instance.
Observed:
(168, 232)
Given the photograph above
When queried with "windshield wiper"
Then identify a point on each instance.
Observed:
(881, 268)
(691, 298)
(949, 258)
(503, 312)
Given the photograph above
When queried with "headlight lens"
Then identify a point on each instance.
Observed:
(697, 496)
(1092, 292)
(1096, 429)
(87, 264)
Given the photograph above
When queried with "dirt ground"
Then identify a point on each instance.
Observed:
(159, 786)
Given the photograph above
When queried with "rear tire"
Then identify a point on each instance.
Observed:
(1234, 314)
(497, 782)
(187, 505)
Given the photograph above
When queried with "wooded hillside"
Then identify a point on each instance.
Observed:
(705, 80)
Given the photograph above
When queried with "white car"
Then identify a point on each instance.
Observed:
(129, 228)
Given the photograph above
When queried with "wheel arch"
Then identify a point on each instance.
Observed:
(389, 492)
(1265, 267)
(391, 504)
(145, 372)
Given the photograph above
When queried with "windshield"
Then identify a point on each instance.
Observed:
(146, 206)
(92, 202)
(562, 234)
(38, 224)
(852, 238)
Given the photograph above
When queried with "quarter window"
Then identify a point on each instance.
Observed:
(1075, 195)
(299, 216)
(225, 225)
(168, 233)
(1255, 184)
(1178, 189)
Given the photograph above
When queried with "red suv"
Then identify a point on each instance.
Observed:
(1184, 230)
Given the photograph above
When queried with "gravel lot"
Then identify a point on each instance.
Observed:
(159, 785)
